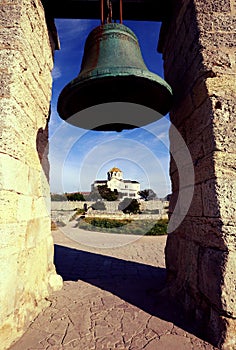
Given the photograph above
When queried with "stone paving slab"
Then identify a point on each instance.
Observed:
(111, 299)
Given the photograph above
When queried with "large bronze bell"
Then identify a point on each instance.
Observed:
(113, 71)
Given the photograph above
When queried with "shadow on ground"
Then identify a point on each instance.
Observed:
(139, 284)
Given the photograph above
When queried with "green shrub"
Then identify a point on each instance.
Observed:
(125, 226)
(75, 196)
(106, 223)
(107, 193)
(98, 206)
(58, 197)
(160, 228)
(129, 206)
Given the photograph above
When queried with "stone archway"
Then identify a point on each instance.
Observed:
(197, 45)
(27, 273)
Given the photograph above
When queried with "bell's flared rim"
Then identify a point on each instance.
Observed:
(72, 98)
(119, 72)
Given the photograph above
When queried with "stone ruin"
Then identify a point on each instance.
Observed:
(197, 41)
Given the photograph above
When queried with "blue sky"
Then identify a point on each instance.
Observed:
(78, 156)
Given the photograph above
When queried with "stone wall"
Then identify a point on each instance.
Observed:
(110, 206)
(119, 215)
(199, 60)
(69, 205)
(27, 273)
(63, 212)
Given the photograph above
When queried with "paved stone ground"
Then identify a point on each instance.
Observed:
(111, 299)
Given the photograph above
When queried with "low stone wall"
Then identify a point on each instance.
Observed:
(119, 215)
(62, 216)
(69, 205)
(154, 205)
(62, 212)
(111, 206)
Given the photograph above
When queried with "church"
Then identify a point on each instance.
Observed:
(115, 181)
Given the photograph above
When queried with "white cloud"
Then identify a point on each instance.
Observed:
(56, 72)
(71, 31)
(79, 156)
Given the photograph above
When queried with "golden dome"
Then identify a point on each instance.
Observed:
(115, 170)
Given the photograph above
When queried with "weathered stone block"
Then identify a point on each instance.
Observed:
(208, 141)
(222, 62)
(182, 199)
(211, 266)
(13, 236)
(17, 147)
(196, 208)
(10, 38)
(175, 181)
(222, 85)
(26, 203)
(8, 205)
(204, 169)
(38, 182)
(224, 22)
(41, 207)
(173, 201)
(182, 265)
(9, 15)
(198, 121)
(172, 256)
(229, 298)
(8, 276)
(210, 200)
(226, 193)
(180, 153)
(229, 341)
(182, 110)
(40, 224)
(225, 166)
(229, 234)
(14, 175)
(196, 150)
(206, 232)
(5, 81)
(213, 6)
(199, 93)
(219, 39)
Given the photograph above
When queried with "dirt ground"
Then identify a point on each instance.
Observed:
(113, 297)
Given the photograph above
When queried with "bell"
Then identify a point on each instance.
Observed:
(114, 78)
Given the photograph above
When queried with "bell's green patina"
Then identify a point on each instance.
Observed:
(113, 70)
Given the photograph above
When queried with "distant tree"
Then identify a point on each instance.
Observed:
(93, 196)
(151, 195)
(147, 194)
(75, 196)
(106, 193)
(99, 205)
(144, 194)
(55, 197)
(129, 206)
